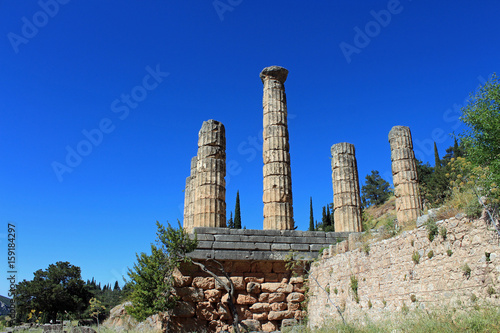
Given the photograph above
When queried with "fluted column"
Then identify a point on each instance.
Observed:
(210, 189)
(404, 175)
(189, 197)
(278, 210)
(346, 198)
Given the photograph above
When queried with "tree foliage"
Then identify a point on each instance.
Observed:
(311, 215)
(237, 213)
(151, 277)
(481, 140)
(375, 191)
(55, 291)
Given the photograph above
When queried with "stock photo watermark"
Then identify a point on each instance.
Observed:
(223, 6)
(31, 27)
(11, 265)
(120, 106)
(373, 28)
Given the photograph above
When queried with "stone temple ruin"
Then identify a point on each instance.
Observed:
(267, 296)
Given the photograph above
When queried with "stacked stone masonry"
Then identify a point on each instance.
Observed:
(346, 198)
(189, 197)
(277, 197)
(404, 175)
(389, 279)
(268, 296)
(210, 186)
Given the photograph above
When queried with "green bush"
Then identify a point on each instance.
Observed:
(432, 229)
(416, 257)
(430, 254)
(443, 232)
(466, 270)
(449, 252)
(354, 288)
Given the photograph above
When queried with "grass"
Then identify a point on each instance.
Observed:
(483, 320)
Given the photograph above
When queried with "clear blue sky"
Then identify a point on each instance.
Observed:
(67, 70)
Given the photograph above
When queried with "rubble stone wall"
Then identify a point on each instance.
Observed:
(389, 279)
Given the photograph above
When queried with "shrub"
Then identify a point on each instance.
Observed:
(370, 304)
(354, 288)
(449, 252)
(466, 270)
(384, 302)
(416, 257)
(430, 254)
(487, 256)
(335, 290)
(473, 297)
(405, 309)
(490, 291)
(366, 248)
(432, 229)
(413, 298)
(443, 232)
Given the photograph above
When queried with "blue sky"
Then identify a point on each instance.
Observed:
(140, 77)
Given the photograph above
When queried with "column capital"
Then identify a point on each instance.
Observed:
(274, 72)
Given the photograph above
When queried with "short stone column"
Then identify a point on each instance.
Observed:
(278, 210)
(210, 188)
(346, 198)
(189, 197)
(404, 175)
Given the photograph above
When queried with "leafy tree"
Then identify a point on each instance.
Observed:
(151, 277)
(481, 141)
(311, 215)
(376, 190)
(97, 310)
(57, 290)
(237, 213)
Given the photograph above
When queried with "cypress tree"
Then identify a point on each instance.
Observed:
(328, 217)
(323, 219)
(311, 215)
(230, 222)
(437, 160)
(237, 213)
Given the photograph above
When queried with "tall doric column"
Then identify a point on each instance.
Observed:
(278, 211)
(189, 197)
(346, 199)
(210, 189)
(404, 175)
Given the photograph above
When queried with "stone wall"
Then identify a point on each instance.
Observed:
(267, 296)
(389, 280)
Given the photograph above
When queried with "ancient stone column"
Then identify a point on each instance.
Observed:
(189, 197)
(404, 175)
(346, 199)
(210, 189)
(278, 211)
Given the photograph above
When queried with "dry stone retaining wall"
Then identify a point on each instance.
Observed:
(388, 279)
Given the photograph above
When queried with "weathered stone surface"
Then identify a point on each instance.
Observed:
(184, 310)
(280, 315)
(274, 287)
(269, 327)
(207, 184)
(277, 197)
(276, 297)
(206, 311)
(246, 299)
(190, 294)
(204, 282)
(388, 276)
(253, 288)
(260, 307)
(189, 197)
(404, 175)
(251, 325)
(295, 297)
(279, 306)
(213, 295)
(346, 198)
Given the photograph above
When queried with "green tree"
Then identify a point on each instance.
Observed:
(376, 190)
(437, 160)
(97, 310)
(481, 141)
(237, 213)
(57, 290)
(151, 281)
(311, 215)
(230, 222)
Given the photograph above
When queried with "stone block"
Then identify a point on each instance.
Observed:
(280, 247)
(275, 297)
(279, 306)
(280, 315)
(246, 299)
(204, 282)
(184, 310)
(251, 325)
(260, 307)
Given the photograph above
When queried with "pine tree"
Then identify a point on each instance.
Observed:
(437, 160)
(311, 215)
(116, 287)
(237, 213)
(375, 191)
